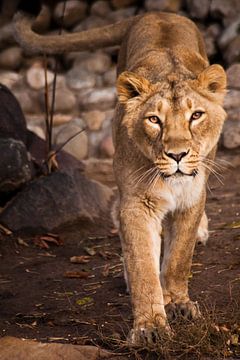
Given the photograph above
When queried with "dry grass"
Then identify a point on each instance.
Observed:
(214, 336)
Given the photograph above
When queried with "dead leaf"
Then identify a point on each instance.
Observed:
(77, 274)
(47, 254)
(234, 339)
(84, 301)
(52, 163)
(43, 240)
(105, 271)
(233, 225)
(106, 254)
(114, 231)
(5, 230)
(22, 242)
(83, 259)
(90, 251)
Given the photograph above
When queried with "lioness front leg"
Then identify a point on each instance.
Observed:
(141, 250)
(179, 242)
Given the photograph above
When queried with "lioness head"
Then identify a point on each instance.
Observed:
(176, 122)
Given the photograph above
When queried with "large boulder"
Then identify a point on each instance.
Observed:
(12, 120)
(22, 349)
(15, 168)
(58, 200)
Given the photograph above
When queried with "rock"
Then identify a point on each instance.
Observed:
(36, 76)
(94, 139)
(233, 77)
(214, 30)
(109, 118)
(74, 198)
(106, 147)
(14, 166)
(37, 130)
(78, 146)
(98, 62)
(211, 35)
(121, 14)
(123, 3)
(98, 99)
(210, 45)
(75, 10)
(231, 134)
(78, 79)
(65, 100)
(10, 78)
(110, 76)
(100, 170)
(60, 119)
(233, 114)
(224, 9)
(198, 9)
(22, 349)
(229, 34)
(163, 5)
(37, 148)
(91, 22)
(94, 119)
(232, 99)
(12, 121)
(43, 20)
(11, 58)
(100, 8)
(28, 105)
(232, 53)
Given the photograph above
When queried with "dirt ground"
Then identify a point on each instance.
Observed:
(40, 300)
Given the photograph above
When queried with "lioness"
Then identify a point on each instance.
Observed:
(167, 123)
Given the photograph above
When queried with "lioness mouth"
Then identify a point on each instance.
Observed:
(180, 173)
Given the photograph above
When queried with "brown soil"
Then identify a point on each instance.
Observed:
(38, 301)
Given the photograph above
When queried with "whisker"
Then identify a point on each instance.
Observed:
(147, 173)
(144, 176)
(216, 174)
(154, 179)
(214, 162)
(139, 169)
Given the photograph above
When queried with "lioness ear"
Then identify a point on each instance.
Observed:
(214, 79)
(130, 85)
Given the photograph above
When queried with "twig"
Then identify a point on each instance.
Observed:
(55, 152)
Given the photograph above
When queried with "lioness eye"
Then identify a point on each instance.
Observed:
(154, 119)
(196, 115)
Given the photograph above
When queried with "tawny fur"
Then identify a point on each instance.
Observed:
(163, 72)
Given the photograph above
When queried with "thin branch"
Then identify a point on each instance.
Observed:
(46, 105)
(55, 152)
(55, 83)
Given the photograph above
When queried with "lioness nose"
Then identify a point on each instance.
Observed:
(177, 157)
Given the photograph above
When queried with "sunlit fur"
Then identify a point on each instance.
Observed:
(163, 156)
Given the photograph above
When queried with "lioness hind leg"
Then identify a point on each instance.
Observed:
(203, 234)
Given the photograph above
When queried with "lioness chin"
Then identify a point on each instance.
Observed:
(167, 123)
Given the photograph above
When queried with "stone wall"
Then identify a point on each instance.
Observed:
(85, 91)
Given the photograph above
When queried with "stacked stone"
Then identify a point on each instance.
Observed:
(85, 89)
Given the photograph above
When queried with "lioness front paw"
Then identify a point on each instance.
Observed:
(189, 310)
(148, 334)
